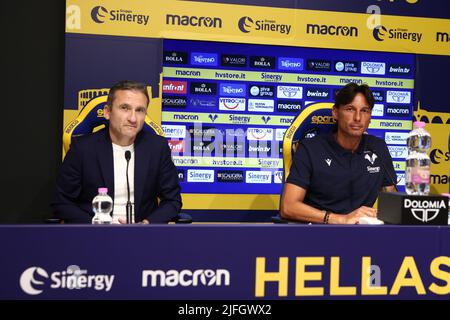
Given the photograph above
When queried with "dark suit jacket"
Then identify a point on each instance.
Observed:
(89, 165)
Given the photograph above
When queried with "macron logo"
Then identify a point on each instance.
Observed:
(185, 278)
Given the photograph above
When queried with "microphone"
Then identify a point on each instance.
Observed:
(370, 152)
(128, 207)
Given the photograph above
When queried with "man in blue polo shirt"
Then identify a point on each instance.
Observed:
(336, 178)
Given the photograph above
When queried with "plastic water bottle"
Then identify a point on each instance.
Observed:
(102, 206)
(418, 162)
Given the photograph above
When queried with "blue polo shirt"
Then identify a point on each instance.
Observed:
(339, 180)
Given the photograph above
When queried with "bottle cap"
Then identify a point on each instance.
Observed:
(446, 195)
(418, 124)
(102, 190)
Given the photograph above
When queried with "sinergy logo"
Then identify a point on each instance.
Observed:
(100, 14)
(185, 278)
(33, 280)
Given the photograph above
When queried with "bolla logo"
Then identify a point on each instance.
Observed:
(185, 278)
(424, 210)
(28, 280)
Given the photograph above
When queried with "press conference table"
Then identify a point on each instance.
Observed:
(224, 261)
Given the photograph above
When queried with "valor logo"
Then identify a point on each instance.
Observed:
(233, 60)
(175, 57)
(262, 62)
(318, 65)
(206, 88)
(247, 24)
(193, 21)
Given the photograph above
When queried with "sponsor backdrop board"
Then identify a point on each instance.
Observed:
(225, 107)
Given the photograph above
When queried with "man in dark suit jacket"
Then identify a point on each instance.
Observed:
(93, 162)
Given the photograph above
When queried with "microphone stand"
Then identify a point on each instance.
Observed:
(129, 208)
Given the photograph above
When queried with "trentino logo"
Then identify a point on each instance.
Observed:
(380, 33)
(323, 29)
(185, 278)
(193, 21)
(247, 24)
(369, 67)
(204, 59)
(33, 280)
(295, 64)
(100, 14)
(232, 90)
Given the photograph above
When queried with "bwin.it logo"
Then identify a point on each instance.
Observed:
(29, 283)
(98, 14)
(379, 32)
(245, 24)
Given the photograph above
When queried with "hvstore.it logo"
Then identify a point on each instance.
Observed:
(100, 14)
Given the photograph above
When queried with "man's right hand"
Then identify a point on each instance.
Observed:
(353, 217)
